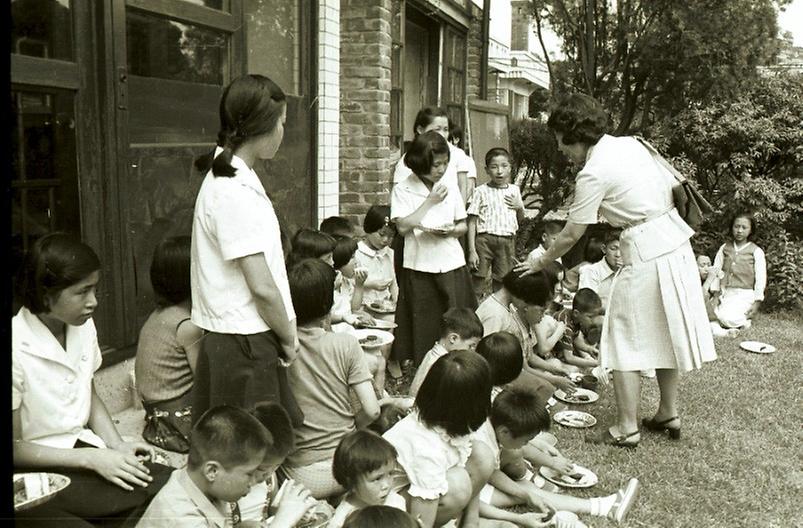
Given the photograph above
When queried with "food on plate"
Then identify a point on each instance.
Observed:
(369, 339)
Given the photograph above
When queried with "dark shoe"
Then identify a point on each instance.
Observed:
(607, 438)
(652, 425)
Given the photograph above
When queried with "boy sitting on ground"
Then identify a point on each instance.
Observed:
(585, 314)
(599, 276)
(548, 236)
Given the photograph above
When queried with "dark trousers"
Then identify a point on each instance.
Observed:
(241, 370)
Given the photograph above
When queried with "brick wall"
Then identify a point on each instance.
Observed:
(365, 155)
(328, 107)
(474, 43)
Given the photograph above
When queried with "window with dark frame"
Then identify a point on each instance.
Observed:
(454, 74)
(397, 74)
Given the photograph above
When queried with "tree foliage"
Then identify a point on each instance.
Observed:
(651, 58)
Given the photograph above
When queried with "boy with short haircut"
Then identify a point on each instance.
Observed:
(227, 445)
(461, 330)
(338, 227)
(599, 276)
(548, 236)
(494, 212)
(574, 348)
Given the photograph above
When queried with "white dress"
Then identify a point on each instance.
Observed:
(656, 316)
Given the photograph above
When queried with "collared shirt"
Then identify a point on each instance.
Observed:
(459, 161)
(425, 251)
(493, 215)
(180, 504)
(598, 277)
(50, 386)
(233, 218)
(379, 265)
(537, 252)
(434, 354)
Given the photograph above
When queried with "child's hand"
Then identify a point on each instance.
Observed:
(513, 201)
(360, 276)
(561, 465)
(364, 319)
(473, 260)
(122, 469)
(293, 501)
(565, 384)
(534, 520)
(378, 284)
(537, 503)
(437, 194)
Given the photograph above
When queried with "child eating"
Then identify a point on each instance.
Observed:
(585, 315)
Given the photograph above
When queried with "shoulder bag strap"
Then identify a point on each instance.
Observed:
(661, 160)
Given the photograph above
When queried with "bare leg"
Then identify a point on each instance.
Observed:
(627, 386)
(668, 385)
(454, 501)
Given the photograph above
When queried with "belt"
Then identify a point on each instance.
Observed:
(648, 218)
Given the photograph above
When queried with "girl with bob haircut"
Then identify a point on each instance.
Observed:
(364, 464)
(311, 243)
(240, 293)
(431, 217)
(656, 297)
(59, 422)
(167, 350)
(375, 255)
(442, 477)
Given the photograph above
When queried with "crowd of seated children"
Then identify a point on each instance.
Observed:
(59, 423)
(581, 321)
(599, 276)
(514, 308)
(461, 330)
(549, 234)
(167, 349)
(328, 367)
(363, 465)
(517, 416)
(494, 212)
(738, 295)
(440, 475)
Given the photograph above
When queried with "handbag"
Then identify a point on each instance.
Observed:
(691, 205)
(168, 429)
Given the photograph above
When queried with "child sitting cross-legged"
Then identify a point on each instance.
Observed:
(584, 316)
(363, 464)
(517, 415)
(461, 329)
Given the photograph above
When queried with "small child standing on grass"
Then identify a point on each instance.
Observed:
(461, 330)
(494, 212)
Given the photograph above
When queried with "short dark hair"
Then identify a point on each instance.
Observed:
(53, 263)
(536, 289)
(358, 453)
(580, 118)
(170, 270)
(344, 250)
(455, 133)
(456, 394)
(377, 217)
(337, 227)
(520, 410)
(389, 415)
(462, 321)
(593, 250)
(586, 300)
(421, 154)
(749, 216)
(312, 288)
(426, 116)
(502, 351)
(228, 435)
(552, 227)
(496, 152)
(279, 429)
(380, 515)
(611, 235)
(310, 243)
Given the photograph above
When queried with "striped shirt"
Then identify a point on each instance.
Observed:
(493, 215)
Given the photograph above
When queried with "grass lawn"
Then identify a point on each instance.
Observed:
(739, 461)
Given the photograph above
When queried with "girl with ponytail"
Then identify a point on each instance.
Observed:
(240, 293)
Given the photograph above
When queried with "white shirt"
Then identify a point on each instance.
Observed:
(51, 387)
(459, 161)
(379, 265)
(233, 218)
(426, 251)
(537, 252)
(434, 354)
(598, 277)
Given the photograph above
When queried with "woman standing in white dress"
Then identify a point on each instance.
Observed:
(655, 318)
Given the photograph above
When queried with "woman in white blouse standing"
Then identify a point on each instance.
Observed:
(656, 316)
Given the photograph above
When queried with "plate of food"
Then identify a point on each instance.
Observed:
(578, 419)
(370, 338)
(577, 396)
(579, 477)
(757, 347)
(33, 489)
(382, 307)
(380, 324)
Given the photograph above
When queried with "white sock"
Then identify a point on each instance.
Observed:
(601, 506)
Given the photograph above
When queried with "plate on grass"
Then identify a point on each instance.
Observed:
(578, 396)
(370, 338)
(580, 477)
(577, 419)
(33, 489)
(380, 324)
(382, 307)
(757, 347)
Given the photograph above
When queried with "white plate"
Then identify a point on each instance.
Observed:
(758, 347)
(382, 338)
(572, 398)
(381, 324)
(385, 307)
(46, 484)
(577, 419)
(589, 478)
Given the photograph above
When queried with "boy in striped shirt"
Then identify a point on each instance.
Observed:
(494, 212)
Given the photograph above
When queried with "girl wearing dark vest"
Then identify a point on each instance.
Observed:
(744, 276)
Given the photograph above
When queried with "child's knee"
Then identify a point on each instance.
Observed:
(460, 491)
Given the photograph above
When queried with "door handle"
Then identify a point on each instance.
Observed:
(122, 88)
